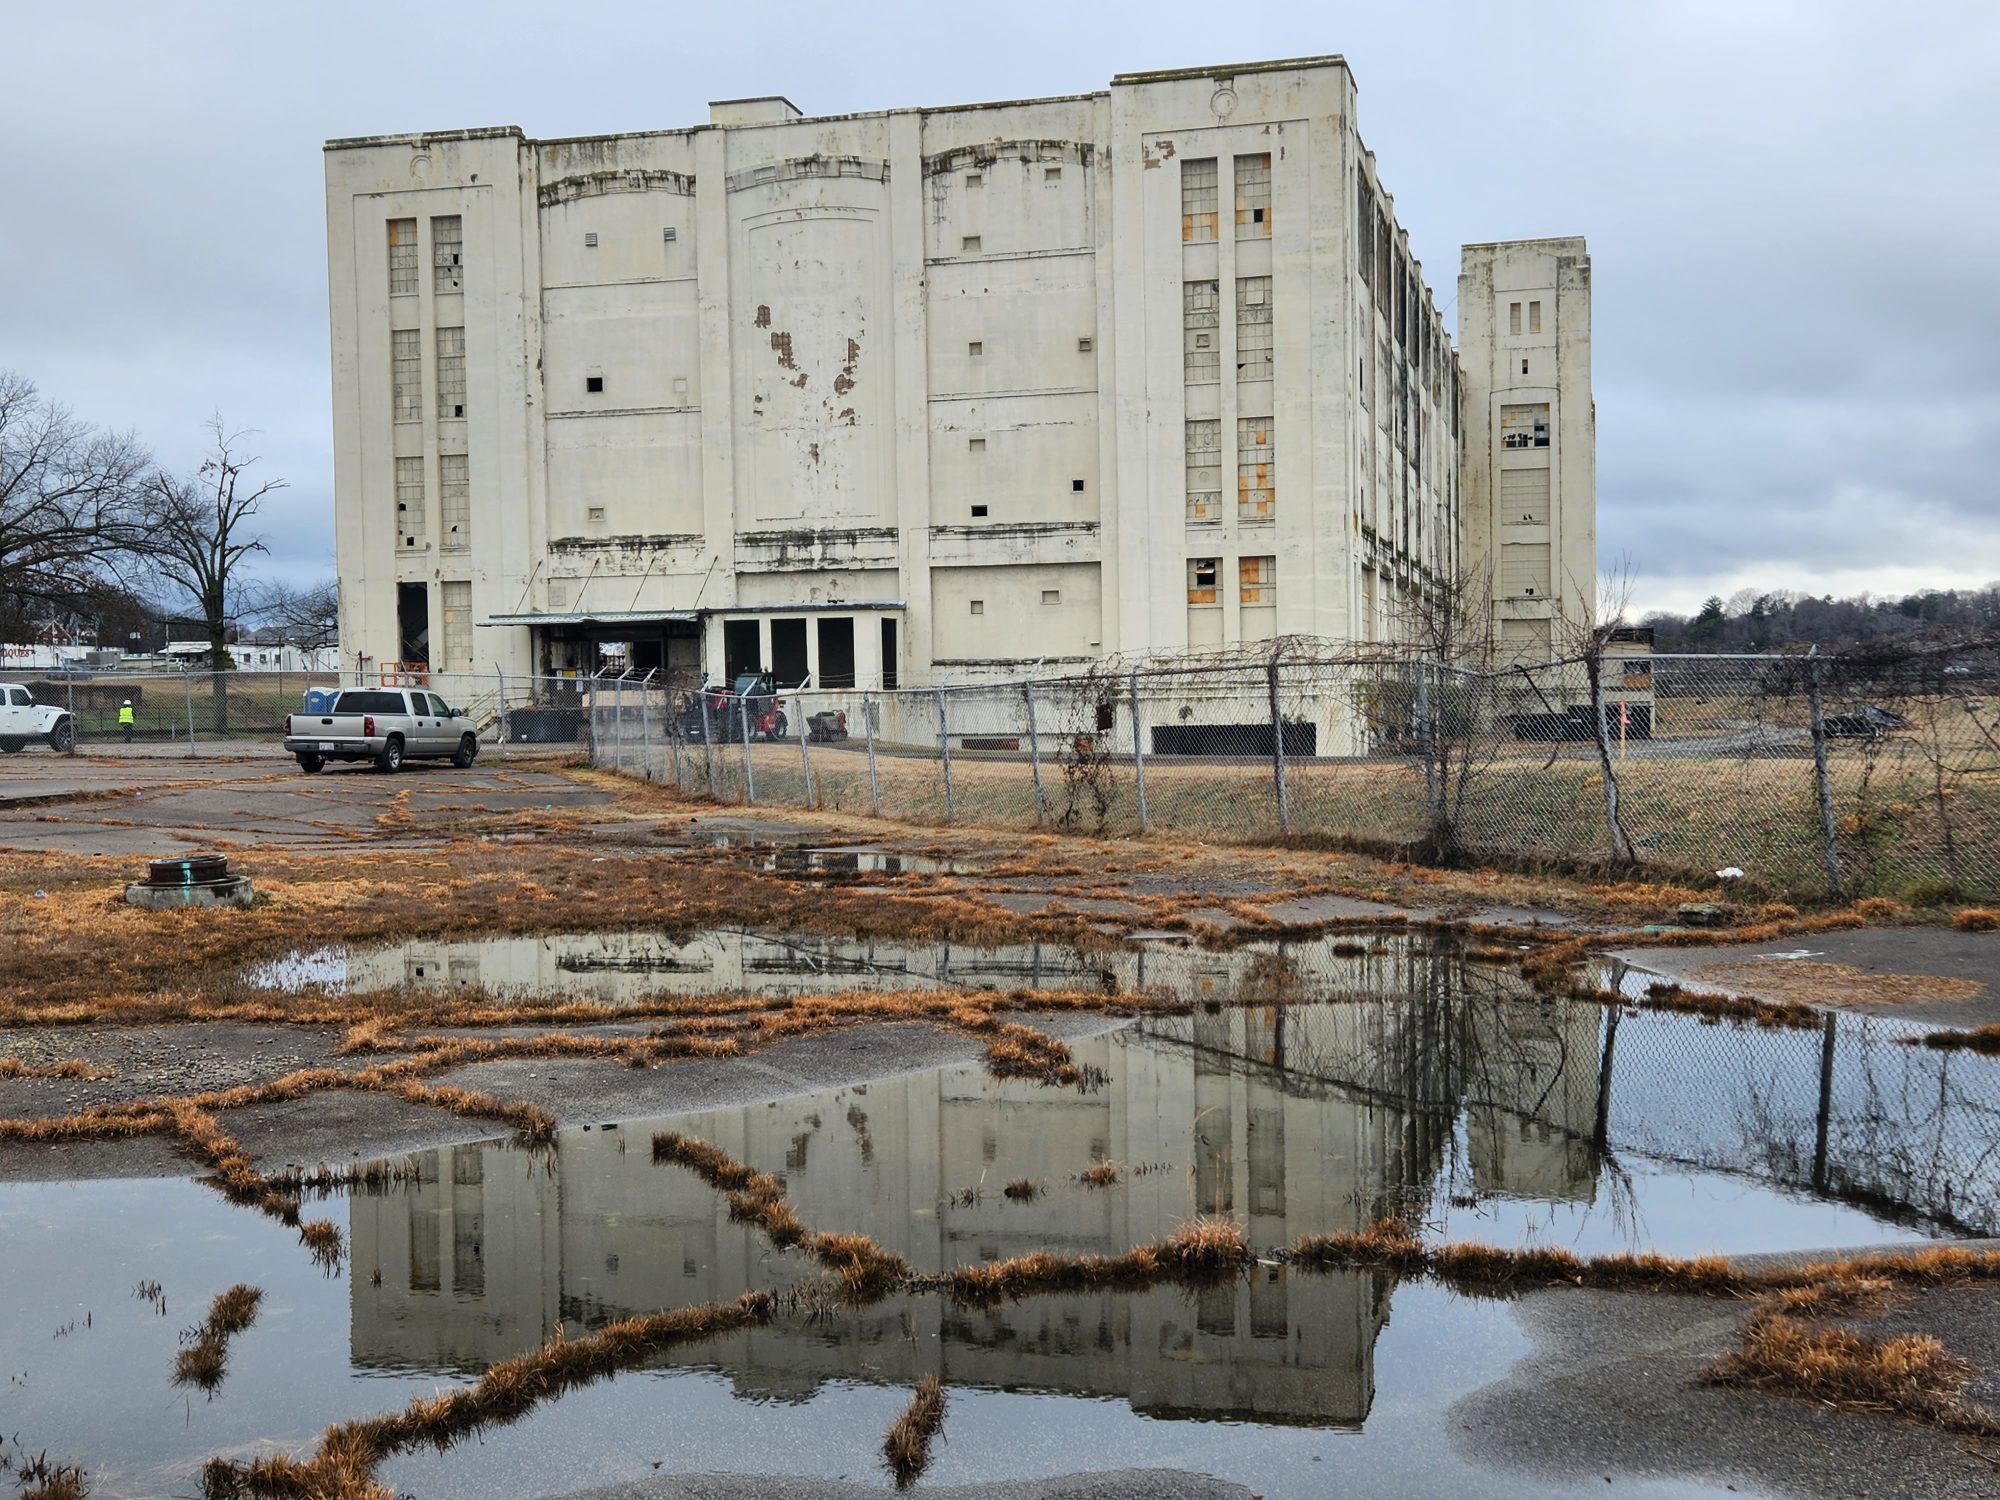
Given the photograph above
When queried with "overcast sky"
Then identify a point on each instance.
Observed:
(1793, 212)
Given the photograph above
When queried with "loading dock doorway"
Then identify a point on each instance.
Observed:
(788, 652)
(836, 653)
(413, 623)
(740, 651)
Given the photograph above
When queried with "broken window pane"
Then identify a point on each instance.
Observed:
(1256, 469)
(457, 626)
(1204, 470)
(1253, 328)
(1525, 426)
(455, 501)
(406, 378)
(1257, 580)
(1200, 319)
(1201, 573)
(447, 236)
(1253, 196)
(451, 373)
(402, 257)
(410, 500)
(1198, 199)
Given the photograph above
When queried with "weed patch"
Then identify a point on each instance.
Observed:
(906, 1448)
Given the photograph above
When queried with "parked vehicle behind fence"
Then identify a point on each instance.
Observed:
(385, 725)
(22, 719)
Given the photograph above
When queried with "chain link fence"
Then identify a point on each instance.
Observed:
(1812, 774)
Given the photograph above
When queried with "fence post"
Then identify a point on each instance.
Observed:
(1825, 1104)
(1278, 746)
(805, 756)
(187, 687)
(500, 707)
(618, 723)
(1035, 753)
(675, 734)
(749, 775)
(1139, 749)
(944, 751)
(1621, 846)
(1822, 777)
(708, 738)
(1428, 742)
(868, 727)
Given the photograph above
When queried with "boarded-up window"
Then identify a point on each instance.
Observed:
(1204, 470)
(1201, 580)
(1525, 426)
(1201, 324)
(406, 375)
(455, 501)
(1524, 497)
(457, 627)
(1534, 317)
(1525, 640)
(1253, 328)
(1257, 580)
(402, 257)
(1253, 196)
(1198, 199)
(1514, 317)
(1256, 469)
(451, 373)
(1524, 570)
(447, 247)
(410, 501)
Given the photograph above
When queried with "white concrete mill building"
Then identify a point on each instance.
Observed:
(933, 395)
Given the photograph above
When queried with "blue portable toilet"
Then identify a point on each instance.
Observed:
(320, 700)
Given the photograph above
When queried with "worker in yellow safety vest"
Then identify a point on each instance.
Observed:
(125, 719)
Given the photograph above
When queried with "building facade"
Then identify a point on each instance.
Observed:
(903, 398)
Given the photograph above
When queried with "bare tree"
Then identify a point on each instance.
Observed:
(201, 534)
(1584, 641)
(71, 518)
(1441, 697)
(308, 617)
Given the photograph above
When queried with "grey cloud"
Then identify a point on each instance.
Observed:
(1787, 204)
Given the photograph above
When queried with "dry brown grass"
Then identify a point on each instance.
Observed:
(14, 1067)
(343, 1467)
(1021, 1190)
(204, 1357)
(1202, 1250)
(1981, 1039)
(1976, 919)
(1100, 1173)
(907, 1446)
(1910, 1375)
(39, 1479)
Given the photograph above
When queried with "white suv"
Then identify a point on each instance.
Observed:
(23, 719)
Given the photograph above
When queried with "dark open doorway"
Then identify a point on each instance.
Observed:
(740, 652)
(836, 653)
(413, 622)
(788, 652)
(889, 673)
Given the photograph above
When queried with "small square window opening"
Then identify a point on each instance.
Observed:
(975, 349)
(1076, 486)
(1051, 596)
(590, 240)
(669, 235)
(975, 179)
(970, 244)
(979, 606)
(1052, 174)
(596, 512)
(593, 383)
(978, 511)
(976, 445)
(1084, 346)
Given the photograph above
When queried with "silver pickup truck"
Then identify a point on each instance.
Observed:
(385, 725)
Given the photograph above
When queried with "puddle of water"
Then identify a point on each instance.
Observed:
(1447, 1093)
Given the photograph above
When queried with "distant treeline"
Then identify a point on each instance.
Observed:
(1750, 621)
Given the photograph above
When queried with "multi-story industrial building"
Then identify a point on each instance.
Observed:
(925, 395)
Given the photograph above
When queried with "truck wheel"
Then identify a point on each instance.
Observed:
(391, 758)
(467, 752)
(62, 739)
(13, 747)
(312, 765)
